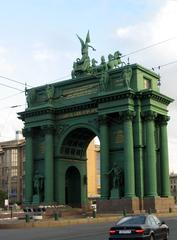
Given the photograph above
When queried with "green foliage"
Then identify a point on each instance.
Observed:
(3, 196)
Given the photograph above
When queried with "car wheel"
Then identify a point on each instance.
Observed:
(152, 237)
(167, 235)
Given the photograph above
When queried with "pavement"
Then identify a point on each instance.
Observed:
(15, 223)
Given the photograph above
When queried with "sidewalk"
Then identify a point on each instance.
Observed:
(14, 223)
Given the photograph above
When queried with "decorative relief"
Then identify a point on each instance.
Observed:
(30, 96)
(50, 90)
(77, 113)
(41, 148)
(80, 91)
(119, 137)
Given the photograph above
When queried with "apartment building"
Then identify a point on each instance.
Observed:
(11, 169)
(173, 185)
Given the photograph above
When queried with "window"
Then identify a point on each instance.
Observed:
(147, 83)
(151, 221)
(133, 220)
(13, 172)
(14, 158)
(156, 220)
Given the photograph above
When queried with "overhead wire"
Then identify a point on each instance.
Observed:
(149, 46)
(10, 96)
(164, 65)
(12, 80)
(5, 85)
(131, 53)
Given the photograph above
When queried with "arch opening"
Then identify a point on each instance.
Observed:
(80, 157)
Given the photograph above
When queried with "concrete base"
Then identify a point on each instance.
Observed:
(159, 204)
(118, 205)
(136, 205)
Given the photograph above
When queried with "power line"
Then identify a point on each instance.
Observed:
(2, 84)
(164, 65)
(10, 96)
(12, 80)
(150, 46)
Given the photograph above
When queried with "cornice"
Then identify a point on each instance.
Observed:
(114, 95)
(150, 94)
(49, 110)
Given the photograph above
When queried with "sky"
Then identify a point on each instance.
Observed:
(38, 46)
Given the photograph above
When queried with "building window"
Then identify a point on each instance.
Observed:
(147, 83)
(14, 158)
(13, 172)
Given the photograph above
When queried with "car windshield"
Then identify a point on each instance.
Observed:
(132, 220)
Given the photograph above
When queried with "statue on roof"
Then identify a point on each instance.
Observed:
(85, 66)
(85, 46)
(82, 65)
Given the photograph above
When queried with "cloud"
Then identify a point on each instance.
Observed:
(43, 55)
(160, 27)
(5, 66)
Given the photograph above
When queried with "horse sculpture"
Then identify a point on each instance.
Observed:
(115, 60)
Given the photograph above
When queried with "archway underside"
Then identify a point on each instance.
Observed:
(76, 143)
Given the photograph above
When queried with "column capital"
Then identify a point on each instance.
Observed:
(149, 115)
(103, 119)
(163, 119)
(128, 115)
(27, 132)
(48, 128)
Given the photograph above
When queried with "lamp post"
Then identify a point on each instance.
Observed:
(8, 186)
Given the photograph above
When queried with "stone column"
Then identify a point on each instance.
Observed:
(164, 163)
(104, 156)
(138, 151)
(49, 165)
(27, 132)
(129, 174)
(150, 166)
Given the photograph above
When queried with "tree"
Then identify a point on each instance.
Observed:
(3, 196)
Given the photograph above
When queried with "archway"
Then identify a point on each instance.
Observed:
(73, 161)
(73, 187)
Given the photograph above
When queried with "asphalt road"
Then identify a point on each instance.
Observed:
(76, 232)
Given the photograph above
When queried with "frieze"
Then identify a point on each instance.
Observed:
(77, 113)
(80, 91)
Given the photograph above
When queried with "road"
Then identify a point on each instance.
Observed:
(76, 232)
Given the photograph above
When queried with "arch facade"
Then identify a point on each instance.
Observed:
(131, 123)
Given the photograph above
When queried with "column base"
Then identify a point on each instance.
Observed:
(130, 205)
(136, 205)
(159, 204)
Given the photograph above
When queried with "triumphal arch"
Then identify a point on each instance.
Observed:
(122, 105)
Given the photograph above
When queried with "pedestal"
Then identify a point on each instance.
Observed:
(115, 193)
(131, 205)
(36, 199)
(159, 204)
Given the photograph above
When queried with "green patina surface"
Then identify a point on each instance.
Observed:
(122, 105)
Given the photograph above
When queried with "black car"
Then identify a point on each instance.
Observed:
(147, 227)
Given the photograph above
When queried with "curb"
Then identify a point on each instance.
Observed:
(65, 222)
(56, 223)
